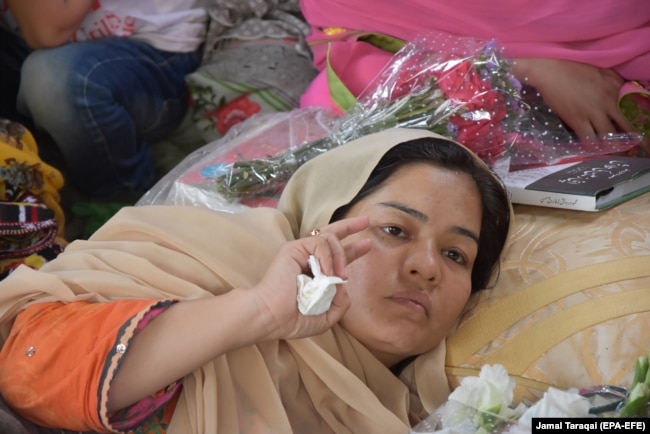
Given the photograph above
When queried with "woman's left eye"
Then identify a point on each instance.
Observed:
(456, 256)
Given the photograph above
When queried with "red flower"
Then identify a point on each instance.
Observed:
(478, 122)
(461, 83)
(409, 75)
(485, 138)
(234, 112)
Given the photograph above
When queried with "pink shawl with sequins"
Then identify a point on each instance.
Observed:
(605, 33)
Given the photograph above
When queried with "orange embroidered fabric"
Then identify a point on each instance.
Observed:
(35, 373)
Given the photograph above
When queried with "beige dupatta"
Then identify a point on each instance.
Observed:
(327, 383)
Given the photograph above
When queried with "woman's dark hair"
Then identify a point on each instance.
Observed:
(495, 205)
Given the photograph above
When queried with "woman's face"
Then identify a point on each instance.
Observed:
(410, 289)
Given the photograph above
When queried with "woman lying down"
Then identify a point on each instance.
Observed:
(186, 320)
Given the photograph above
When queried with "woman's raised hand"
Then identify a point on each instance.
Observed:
(278, 289)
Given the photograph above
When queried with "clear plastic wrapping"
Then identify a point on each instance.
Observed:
(455, 417)
(460, 87)
(194, 180)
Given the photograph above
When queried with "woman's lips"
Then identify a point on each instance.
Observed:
(417, 301)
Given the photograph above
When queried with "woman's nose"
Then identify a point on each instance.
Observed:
(424, 262)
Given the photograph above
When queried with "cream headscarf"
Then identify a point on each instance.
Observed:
(319, 384)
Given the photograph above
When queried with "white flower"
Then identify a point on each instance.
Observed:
(491, 391)
(557, 403)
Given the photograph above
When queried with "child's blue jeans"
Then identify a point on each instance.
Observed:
(103, 102)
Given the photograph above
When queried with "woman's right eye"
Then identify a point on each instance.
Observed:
(394, 231)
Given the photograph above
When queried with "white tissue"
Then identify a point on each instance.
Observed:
(315, 294)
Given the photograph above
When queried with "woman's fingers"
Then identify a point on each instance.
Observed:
(584, 96)
(340, 304)
(336, 255)
(345, 227)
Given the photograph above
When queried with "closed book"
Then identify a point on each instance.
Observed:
(590, 185)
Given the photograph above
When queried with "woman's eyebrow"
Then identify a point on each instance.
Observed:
(462, 231)
(407, 209)
(424, 218)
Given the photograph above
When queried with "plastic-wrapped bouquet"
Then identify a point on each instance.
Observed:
(462, 91)
(483, 404)
(459, 87)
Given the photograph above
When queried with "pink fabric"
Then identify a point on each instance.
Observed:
(605, 33)
(355, 63)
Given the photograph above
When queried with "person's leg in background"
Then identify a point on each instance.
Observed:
(13, 51)
(103, 102)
